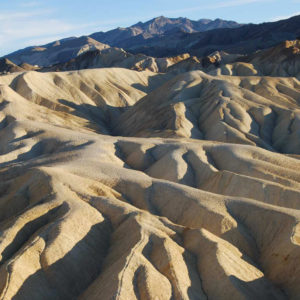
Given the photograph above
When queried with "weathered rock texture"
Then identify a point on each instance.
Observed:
(118, 184)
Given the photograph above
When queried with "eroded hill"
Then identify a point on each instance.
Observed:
(118, 184)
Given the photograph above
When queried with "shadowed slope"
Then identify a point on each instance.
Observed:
(245, 110)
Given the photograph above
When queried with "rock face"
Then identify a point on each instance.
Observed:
(118, 184)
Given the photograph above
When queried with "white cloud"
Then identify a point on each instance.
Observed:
(21, 28)
(16, 30)
(24, 28)
(21, 15)
(278, 18)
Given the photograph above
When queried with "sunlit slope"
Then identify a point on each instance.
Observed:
(88, 215)
(85, 99)
(261, 111)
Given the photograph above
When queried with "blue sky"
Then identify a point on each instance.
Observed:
(34, 22)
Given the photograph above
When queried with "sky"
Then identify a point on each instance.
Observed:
(35, 22)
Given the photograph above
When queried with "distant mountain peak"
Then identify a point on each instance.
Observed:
(161, 18)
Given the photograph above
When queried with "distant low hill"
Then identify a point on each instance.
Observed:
(55, 52)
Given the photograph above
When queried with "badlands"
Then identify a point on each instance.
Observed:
(125, 184)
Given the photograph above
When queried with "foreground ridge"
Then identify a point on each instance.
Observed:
(118, 184)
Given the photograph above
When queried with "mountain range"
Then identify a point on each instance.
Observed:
(162, 37)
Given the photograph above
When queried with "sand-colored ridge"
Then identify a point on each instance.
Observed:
(243, 110)
(118, 184)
